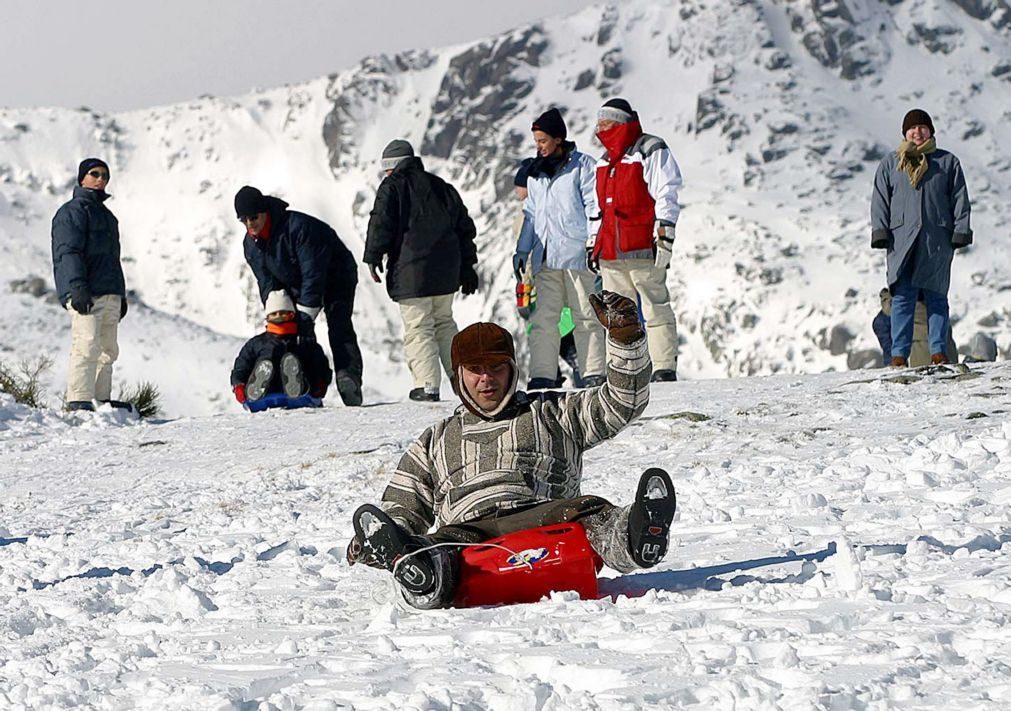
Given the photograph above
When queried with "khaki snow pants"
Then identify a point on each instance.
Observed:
(93, 350)
(428, 338)
(629, 277)
(557, 288)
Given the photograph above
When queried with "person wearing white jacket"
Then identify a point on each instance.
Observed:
(560, 219)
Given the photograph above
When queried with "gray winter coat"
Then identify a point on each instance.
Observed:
(86, 247)
(926, 224)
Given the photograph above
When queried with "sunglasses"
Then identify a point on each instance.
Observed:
(98, 175)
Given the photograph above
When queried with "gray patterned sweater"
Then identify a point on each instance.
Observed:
(466, 467)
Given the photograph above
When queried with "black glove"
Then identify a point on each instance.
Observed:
(80, 300)
(306, 328)
(881, 239)
(123, 309)
(619, 315)
(468, 280)
(519, 264)
(592, 262)
(375, 270)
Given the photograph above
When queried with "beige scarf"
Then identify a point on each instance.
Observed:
(913, 159)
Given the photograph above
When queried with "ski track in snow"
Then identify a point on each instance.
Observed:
(199, 563)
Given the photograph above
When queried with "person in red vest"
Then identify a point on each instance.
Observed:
(638, 181)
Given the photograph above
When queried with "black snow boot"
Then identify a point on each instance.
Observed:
(349, 388)
(292, 376)
(389, 546)
(259, 381)
(650, 517)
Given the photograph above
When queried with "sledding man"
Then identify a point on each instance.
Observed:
(507, 460)
(90, 285)
(299, 254)
(638, 181)
(276, 361)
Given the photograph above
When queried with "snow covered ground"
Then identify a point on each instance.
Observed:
(198, 563)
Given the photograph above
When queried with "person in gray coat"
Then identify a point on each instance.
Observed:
(90, 285)
(920, 215)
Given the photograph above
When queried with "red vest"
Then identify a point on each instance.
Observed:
(627, 210)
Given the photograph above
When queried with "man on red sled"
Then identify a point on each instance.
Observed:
(507, 461)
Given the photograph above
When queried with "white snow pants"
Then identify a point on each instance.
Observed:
(629, 277)
(428, 338)
(93, 350)
(557, 288)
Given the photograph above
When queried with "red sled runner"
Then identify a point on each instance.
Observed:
(528, 565)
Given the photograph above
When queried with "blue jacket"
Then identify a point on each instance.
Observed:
(925, 224)
(302, 255)
(560, 214)
(86, 246)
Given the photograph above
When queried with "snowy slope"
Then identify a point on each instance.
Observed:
(778, 111)
(198, 563)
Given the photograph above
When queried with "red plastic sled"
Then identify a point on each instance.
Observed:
(545, 559)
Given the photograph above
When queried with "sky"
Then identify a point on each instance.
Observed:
(123, 54)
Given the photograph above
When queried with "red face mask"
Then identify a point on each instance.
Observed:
(618, 138)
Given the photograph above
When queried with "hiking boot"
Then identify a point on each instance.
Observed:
(259, 381)
(898, 362)
(594, 381)
(119, 405)
(650, 517)
(939, 359)
(390, 546)
(422, 395)
(80, 406)
(664, 375)
(541, 384)
(292, 376)
(349, 389)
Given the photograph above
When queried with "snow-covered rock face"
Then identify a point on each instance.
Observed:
(778, 112)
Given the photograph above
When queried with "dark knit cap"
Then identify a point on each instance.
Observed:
(249, 202)
(485, 344)
(551, 123)
(89, 163)
(616, 110)
(520, 181)
(917, 117)
(396, 151)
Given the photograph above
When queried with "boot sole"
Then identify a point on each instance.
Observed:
(259, 381)
(657, 502)
(382, 538)
(292, 378)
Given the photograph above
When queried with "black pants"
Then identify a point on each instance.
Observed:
(338, 307)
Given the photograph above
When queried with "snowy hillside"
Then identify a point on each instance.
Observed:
(199, 563)
(778, 111)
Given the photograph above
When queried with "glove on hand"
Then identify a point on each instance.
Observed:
(592, 262)
(306, 328)
(240, 393)
(319, 389)
(468, 280)
(519, 264)
(375, 270)
(664, 244)
(123, 309)
(619, 315)
(80, 300)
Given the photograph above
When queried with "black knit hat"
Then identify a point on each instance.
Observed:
(520, 181)
(917, 117)
(551, 123)
(89, 163)
(396, 151)
(249, 202)
(616, 110)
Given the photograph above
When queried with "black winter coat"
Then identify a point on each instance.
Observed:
(303, 256)
(273, 347)
(420, 224)
(86, 246)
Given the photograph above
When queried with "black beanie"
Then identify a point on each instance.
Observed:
(249, 202)
(520, 181)
(616, 110)
(551, 123)
(917, 117)
(89, 163)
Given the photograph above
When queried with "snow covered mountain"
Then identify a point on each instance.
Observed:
(777, 110)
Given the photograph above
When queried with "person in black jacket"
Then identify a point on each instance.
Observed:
(276, 360)
(421, 227)
(90, 284)
(303, 256)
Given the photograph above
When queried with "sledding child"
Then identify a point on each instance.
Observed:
(277, 361)
(508, 460)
